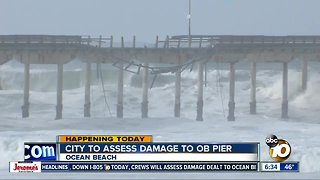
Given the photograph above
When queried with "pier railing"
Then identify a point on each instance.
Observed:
(182, 41)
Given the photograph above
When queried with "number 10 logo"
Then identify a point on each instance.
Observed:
(279, 149)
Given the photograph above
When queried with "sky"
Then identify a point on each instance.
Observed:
(148, 18)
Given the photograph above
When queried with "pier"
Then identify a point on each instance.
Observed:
(176, 52)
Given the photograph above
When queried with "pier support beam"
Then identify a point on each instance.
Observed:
(253, 108)
(59, 91)
(231, 103)
(284, 113)
(177, 103)
(200, 93)
(87, 90)
(304, 75)
(144, 104)
(25, 106)
(205, 75)
(120, 92)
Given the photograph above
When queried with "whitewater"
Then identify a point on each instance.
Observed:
(301, 129)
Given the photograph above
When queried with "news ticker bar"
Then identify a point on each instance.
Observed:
(131, 166)
(52, 167)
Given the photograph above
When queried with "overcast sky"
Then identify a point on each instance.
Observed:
(148, 18)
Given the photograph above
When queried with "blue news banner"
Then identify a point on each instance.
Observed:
(159, 147)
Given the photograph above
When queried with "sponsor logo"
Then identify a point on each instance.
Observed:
(25, 167)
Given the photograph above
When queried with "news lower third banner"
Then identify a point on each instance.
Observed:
(134, 153)
(138, 153)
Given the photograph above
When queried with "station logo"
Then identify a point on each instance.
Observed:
(279, 149)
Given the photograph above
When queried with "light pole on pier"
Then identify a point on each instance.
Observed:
(189, 19)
